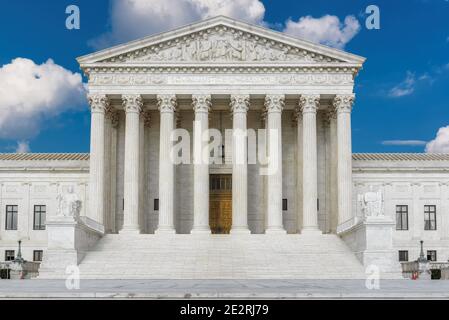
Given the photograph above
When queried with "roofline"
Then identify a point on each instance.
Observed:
(107, 52)
(85, 156)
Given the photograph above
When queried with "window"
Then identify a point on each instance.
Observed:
(9, 255)
(401, 217)
(11, 218)
(156, 204)
(403, 255)
(39, 217)
(284, 205)
(430, 217)
(37, 255)
(431, 255)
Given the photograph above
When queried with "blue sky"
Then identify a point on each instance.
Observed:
(402, 92)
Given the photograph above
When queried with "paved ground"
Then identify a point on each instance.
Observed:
(213, 289)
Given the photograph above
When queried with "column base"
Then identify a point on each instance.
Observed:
(275, 230)
(201, 230)
(130, 230)
(240, 230)
(165, 230)
(311, 231)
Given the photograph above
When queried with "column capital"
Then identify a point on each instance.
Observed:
(239, 103)
(132, 103)
(99, 103)
(309, 103)
(166, 103)
(343, 102)
(274, 102)
(201, 103)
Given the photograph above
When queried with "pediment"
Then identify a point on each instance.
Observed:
(221, 40)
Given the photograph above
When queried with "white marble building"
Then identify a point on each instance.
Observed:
(142, 216)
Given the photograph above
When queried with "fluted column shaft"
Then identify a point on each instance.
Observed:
(333, 170)
(107, 170)
(309, 106)
(133, 107)
(201, 105)
(239, 108)
(274, 105)
(167, 108)
(98, 104)
(343, 107)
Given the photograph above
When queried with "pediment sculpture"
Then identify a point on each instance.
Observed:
(221, 44)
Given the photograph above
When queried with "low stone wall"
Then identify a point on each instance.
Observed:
(26, 270)
(445, 274)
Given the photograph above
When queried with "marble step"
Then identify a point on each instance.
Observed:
(221, 257)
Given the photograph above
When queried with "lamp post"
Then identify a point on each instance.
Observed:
(19, 258)
(422, 257)
(423, 265)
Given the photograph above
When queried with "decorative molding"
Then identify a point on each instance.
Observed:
(132, 103)
(309, 103)
(166, 103)
(274, 102)
(99, 103)
(343, 103)
(201, 103)
(239, 103)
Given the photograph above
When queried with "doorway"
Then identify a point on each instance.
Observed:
(220, 203)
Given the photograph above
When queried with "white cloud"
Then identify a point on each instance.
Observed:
(31, 93)
(404, 143)
(132, 19)
(441, 142)
(405, 88)
(23, 147)
(328, 30)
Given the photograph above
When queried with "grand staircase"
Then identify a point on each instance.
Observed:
(147, 256)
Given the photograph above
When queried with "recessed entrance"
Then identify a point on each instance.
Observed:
(220, 203)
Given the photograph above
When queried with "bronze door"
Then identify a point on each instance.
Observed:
(220, 203)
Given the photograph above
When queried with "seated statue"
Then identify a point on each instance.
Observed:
(69, 204)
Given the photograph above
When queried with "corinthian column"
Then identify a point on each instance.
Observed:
(167, 107)
(98, 105)
(201, 105)
(133, 106)
(239, 108)
(343, 107)
(309, 106)
(274, 105)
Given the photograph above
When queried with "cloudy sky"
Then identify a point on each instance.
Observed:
(402, 92)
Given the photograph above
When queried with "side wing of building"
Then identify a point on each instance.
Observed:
(416, 196)
(29, 185)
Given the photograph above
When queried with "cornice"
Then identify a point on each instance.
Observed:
(207, 68)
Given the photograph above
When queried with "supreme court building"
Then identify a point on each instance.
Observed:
(324, 212)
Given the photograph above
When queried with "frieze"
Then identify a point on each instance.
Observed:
(175, 79)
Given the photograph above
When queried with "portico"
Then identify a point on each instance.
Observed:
(299, 92)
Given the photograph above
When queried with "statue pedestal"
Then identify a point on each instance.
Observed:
(424, 270)
(372, 242)
(69, 239)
